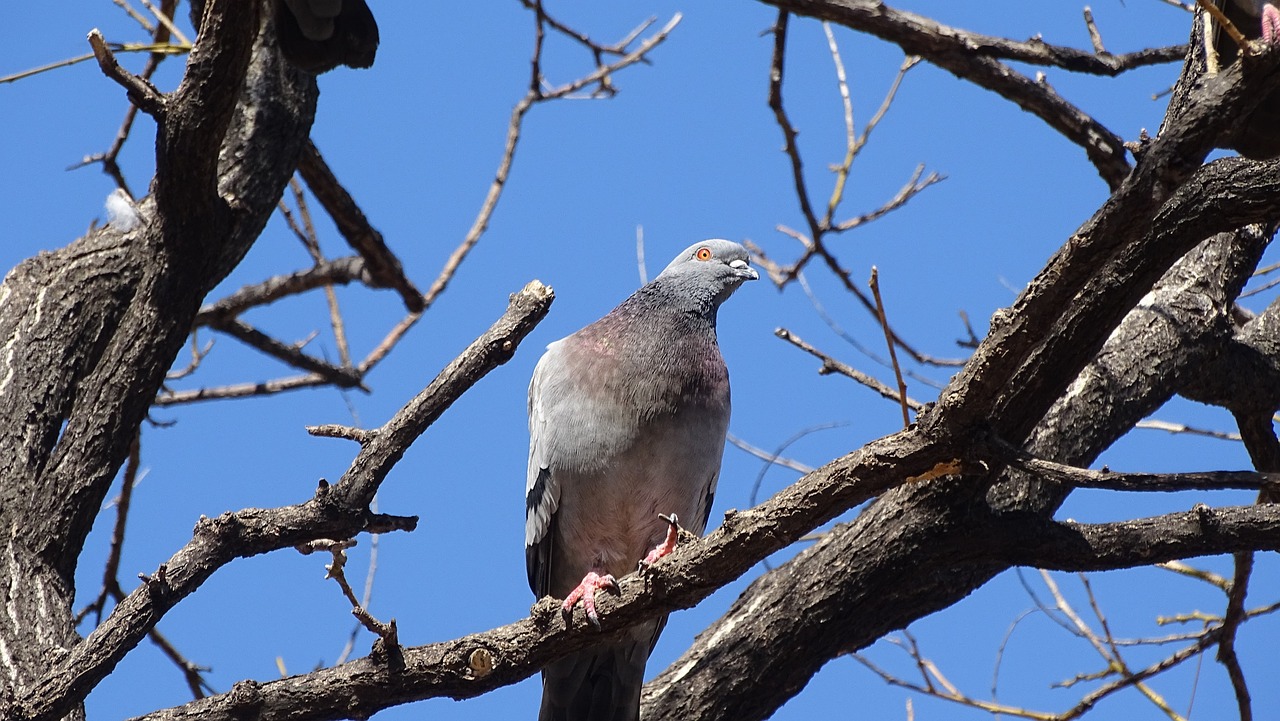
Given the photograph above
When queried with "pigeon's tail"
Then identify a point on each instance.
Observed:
(601, 683)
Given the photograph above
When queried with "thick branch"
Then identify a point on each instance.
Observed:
(1202, 531)
(849, 588)
(1164, 482)
(337, 512)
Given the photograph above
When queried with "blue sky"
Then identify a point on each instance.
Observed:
(688, 149)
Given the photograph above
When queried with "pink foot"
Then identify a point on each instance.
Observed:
(668, 544)
(586, 592)
(1270, 24)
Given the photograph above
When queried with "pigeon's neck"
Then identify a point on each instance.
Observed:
(695, 306)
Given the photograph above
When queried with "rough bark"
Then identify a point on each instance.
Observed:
(90, 330)
(916, 550)
(1096, 341)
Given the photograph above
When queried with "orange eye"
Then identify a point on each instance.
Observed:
(703, 253)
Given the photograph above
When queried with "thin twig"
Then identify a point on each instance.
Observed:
(831, 365)
(888, 339)
(851, 140)
(1170, 427)
(167, 22)
(771, 458)
(311, 241)
(535, 95)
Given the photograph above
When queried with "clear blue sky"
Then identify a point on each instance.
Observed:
(687, 150)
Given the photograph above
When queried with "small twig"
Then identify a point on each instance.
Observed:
(334, 430)
(536, 94)
(771, 458)
(241, 390)
(618, 48)
(367, 596)
(851, 140)
(1231, 620)
(839, 330)
(1109, 652)
(913, 187)
(383, 267)
(192, 673)
(776, 72)
(1209, 577)
(1107, 479)
(888, 339)
(908, 62)
(335, 570)
(1260, 289)
(137, 16)
(831, 365)
(166, 21)
(336, 271)
(1095, 37)
(291, 354)
(143, 94)
(1158, 425)
(311, 241)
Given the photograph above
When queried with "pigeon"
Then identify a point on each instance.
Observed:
(627, 421)
(320, 35)
(1258, 137)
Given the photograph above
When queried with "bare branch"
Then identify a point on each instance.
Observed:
(1161, 482)
(831, 365)
(1070, 546)
(888, 337)
(143, 94)
(384, 269)
(340, 511)
(338, 271)
(291, 354)
(976, 58)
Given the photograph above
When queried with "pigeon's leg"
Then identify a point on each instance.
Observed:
(586, 592)
(1270, 24)
(668, 544)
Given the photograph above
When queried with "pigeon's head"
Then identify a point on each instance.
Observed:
(712, 268)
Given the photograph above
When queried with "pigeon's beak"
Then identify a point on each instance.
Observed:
(745, 271)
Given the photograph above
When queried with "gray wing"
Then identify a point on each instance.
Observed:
(542, 493)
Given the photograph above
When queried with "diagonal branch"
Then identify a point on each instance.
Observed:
(335, 512)
(975, 58)
(382, 265)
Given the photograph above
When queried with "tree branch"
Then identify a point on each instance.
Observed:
(1202, 531)
(382, 265)
(974, 57)
(337, 512)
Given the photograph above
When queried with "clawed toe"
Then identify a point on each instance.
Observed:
(668, 544)
(586, 592)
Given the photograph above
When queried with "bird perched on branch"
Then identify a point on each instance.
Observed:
(320, 35)
(627, 421)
